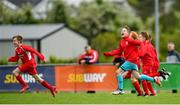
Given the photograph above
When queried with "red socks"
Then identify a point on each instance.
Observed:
(21, 81)
(145, 87)
(47, 85)
(137, 87)
(150, 88)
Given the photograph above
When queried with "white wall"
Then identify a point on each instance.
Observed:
(63, 44)
(7, 48)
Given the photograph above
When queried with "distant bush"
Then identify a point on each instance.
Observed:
(3, 61)
(104, 43)
(51, 60)
(56, 60)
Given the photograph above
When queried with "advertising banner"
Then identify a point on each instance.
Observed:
(173, 81)
(80, 78)
(85, 78)
(8, 81)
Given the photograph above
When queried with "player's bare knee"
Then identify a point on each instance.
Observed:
(133, 79)
(136, 74)
(138, 77)
(15, 72)
(119, 74)
(40, 80)
(37, 78)
(118, 71)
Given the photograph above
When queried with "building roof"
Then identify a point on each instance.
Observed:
(30, 32)
(19, 3)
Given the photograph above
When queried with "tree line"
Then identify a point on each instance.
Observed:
(100, 20)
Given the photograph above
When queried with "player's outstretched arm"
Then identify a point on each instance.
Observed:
(132, 41)
(113, 52)
(30, 49)
(14, 58)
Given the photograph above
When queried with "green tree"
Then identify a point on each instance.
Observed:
(145, 8)
(23, 15)
(94, 18)
(164, 39)
(105, 42)
(169, 28)
(176, 5)
(5, 14)
(58, 13)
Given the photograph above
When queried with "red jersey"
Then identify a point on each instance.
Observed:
(129, 49)
(154, 54)
(92, 57)
(25, 53)
(146, 54)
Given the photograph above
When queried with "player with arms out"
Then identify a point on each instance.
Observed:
(121, 53)
(130, 47)
(26, 54)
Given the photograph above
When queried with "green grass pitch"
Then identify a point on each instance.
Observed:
(85, 98)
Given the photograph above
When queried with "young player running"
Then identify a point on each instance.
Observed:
(131, 55)
(147, 59)
(119, 52)
(26, 54)
(163, 74)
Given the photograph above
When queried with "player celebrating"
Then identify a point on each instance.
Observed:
(150, 64)
(134, 81)
(162, 74)
(147, 59)
(119, 53)
(26, 54)
(130, 49)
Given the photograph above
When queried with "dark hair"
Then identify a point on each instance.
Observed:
(150, 37)
(18, 37)
(127, 28)
(145, 35)
(171, 42)
(120, 60)
(87, 46)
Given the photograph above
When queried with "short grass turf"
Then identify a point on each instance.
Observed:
(87, 98)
